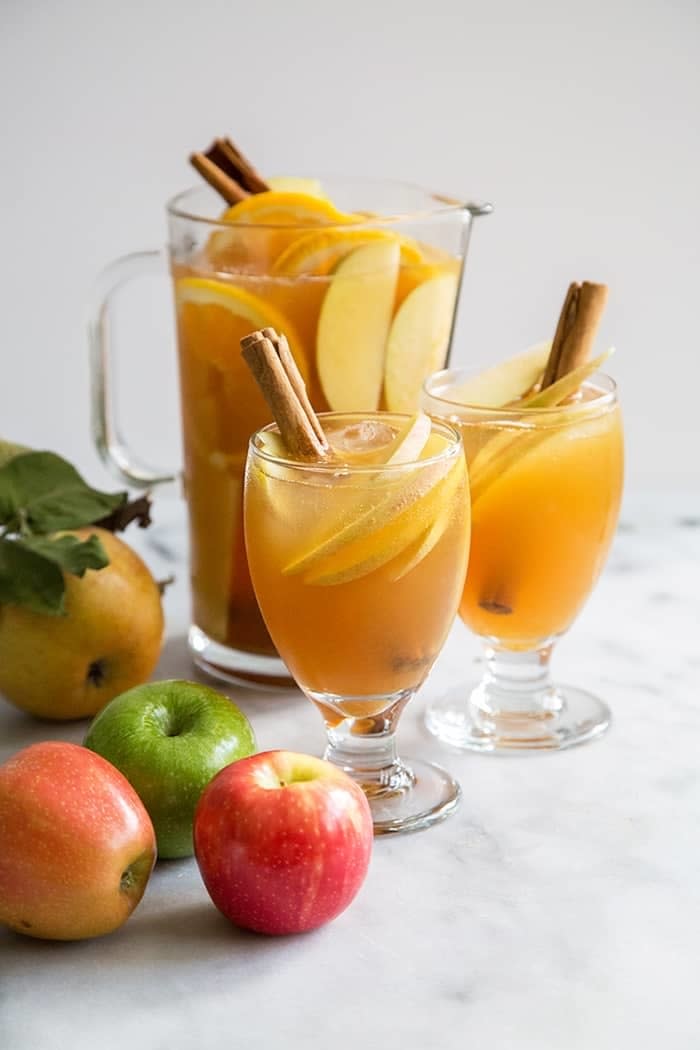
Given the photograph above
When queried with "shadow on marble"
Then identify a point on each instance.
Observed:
(20, 729)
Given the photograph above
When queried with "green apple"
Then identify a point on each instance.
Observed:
(169, 739)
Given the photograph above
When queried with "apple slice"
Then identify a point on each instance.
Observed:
(297, 184)
(505, 382)
(410, 440)
(357, 512)
(414, 554)
(353, 324)
(384, 533)
(554, 394)
(508, 447)
(418, 340)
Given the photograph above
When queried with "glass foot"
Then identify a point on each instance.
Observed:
(236, 666)
(421, 795)
(574, 717)
(411, 795)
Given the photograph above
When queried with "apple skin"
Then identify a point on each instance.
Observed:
(78, 846)
(283, 841)
(169, 739)
(110, 638)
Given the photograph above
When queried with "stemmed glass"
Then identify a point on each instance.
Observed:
(545, 493)
(358, 569)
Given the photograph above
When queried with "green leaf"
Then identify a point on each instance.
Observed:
(29, 579)
(8, 451)
(40, 492)
(70, 553)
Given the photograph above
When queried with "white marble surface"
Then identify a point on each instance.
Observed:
(557, 909)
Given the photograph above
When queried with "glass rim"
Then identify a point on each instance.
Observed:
(445, 205)
(454, 448)
(606, 397)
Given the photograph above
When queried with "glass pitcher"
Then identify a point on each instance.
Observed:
(365, 286)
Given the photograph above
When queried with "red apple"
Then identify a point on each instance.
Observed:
(78, 847)
(283, 841)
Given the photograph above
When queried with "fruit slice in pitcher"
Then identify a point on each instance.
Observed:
(320, 251)
(265, 224)
(212, 317)
(216, 316)
(297, 184)
(353, 326)
(418, 340)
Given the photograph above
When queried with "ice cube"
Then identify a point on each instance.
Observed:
(363, 440)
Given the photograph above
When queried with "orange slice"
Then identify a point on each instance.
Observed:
(320, 252)
(284, 208)
(212, 318)
(215, 316)
(268, 223)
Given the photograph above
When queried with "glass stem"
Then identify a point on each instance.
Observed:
(516, 685)
(365, 748)
(366, 757)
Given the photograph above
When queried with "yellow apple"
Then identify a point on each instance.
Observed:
(109, 639)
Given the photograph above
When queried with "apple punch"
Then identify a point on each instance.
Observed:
(544, 445)
(358, 541)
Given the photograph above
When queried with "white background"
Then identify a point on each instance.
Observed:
(580, 123)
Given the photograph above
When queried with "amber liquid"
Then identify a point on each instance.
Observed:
(543, 516)
(221, 408)
(356, 641)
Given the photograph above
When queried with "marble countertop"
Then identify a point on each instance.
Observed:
(558, 908)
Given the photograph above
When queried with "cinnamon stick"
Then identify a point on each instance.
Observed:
(283, 389)
(238, 166)
(290, 366)
(227, 187)
(228, 171)
(576, 329)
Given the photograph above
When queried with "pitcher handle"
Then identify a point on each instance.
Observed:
(112, 448)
